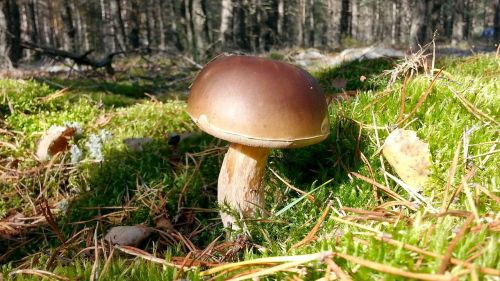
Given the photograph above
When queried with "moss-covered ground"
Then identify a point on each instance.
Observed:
(163, 182)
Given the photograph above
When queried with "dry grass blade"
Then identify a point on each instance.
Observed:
(451, 176)
(283, 259)
(473, 109)
(417, 196)
(145, 255)
(95, 266)
(449, 251)
(403, 98)
(422, 99)
(470, 199)
(484, 270)
(269, 270)
(396, 271)
(337, 270)
(312, 234)
(382, 187)
(358, 225)
(40, 273)
(309, 197)
(457, 190)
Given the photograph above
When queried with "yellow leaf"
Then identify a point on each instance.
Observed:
(409, 157)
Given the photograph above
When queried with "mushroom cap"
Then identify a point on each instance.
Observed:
(258, 102)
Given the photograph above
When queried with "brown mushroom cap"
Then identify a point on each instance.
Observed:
(258, 102)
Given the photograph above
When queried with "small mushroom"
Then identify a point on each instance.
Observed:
(256, 104)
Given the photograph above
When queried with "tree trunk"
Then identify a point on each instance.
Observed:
(13, 27)
(134, 31)
(333, 8)
(458, 23)
(225, 29)
(345, 18)
(417, 30)
(280, 20)
(496, 20)
(198, 28)
(5, 62)
(69, 29)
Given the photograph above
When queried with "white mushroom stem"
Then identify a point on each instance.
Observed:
(240, 180)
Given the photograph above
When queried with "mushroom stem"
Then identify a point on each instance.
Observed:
(240, 180)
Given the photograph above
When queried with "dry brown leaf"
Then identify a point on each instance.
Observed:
(409, 157)
(127, 235)
(53, 141)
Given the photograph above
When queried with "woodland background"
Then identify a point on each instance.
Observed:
(201, 29)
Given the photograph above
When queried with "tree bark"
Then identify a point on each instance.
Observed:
(417, 30)
(458, 23)
(12, 32)
(496, 20)
(5, 62)
(332, 32)
(225, 29)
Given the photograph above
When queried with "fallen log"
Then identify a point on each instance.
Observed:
(80, 59)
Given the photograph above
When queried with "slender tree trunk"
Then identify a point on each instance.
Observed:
(300, 22)
(417, 30)
(69, 29)
(458, 23)
(225, 29)
(355, 19)
(11, 17)
(333, 8)
(345, 18)
(496, 20)
(5, 62)
(197, 28)
(280, 20)
(134, 29)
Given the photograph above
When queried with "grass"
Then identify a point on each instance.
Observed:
(178, 182)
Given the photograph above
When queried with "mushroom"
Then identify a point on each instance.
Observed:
(255, 104)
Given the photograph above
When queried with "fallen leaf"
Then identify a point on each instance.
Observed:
(127, 235)
(362, 78)
(53, 141)
(137, 144)
(409, 157)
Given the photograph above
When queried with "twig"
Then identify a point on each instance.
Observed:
(449, 251)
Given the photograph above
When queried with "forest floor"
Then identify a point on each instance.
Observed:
(334, 209)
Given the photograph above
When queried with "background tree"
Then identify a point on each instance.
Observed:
(204, 28)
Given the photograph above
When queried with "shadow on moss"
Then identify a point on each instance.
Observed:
(351, 73)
